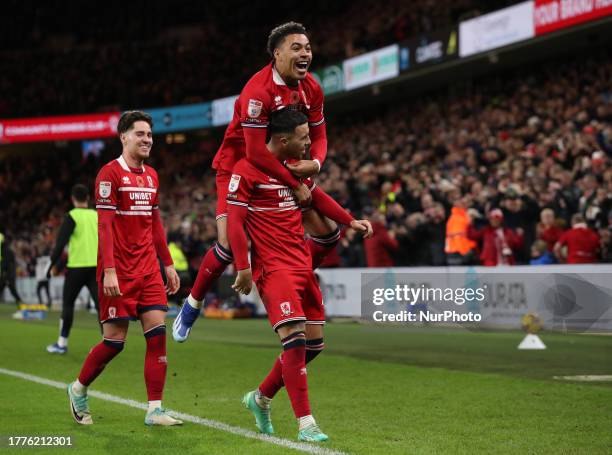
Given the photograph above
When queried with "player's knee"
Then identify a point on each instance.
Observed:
(156, 331)
(223, 254)
(314, 347)
(116, 344)
(294, 340)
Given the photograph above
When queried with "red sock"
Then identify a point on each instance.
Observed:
(294, 374)
(98, 357)
(155, 362)
(274, 381)
(213, 264)
(321, 246)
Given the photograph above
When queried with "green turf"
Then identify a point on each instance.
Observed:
(376, 389)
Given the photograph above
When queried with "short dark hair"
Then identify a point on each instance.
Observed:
(128, 118)
(285, 121)
(278, 34)
(80, 192)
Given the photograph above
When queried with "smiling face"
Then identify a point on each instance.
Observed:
(138, 140)
(294, 145)
(293, 57)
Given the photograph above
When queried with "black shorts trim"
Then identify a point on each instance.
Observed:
(127, 318)
(144, 309)
(295, 320)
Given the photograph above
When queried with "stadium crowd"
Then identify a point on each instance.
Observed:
(506, 172)
(92, 59)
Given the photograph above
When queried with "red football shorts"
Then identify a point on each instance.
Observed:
(140, 294)
(222, 181)
(291, 296)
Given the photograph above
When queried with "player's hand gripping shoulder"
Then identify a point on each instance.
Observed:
(302, 194)
(244, 282)
(111, 283)
(173, 281)
(304, 168)
(364, 227)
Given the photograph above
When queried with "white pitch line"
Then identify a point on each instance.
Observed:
(586, 378)
(302, 447)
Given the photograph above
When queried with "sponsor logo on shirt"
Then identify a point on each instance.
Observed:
(234, 183)
(254, 109)
(104, 189)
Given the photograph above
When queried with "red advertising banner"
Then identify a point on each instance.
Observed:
(39, 129)
(551, 15)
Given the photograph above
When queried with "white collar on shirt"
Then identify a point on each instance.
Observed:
(124, 164)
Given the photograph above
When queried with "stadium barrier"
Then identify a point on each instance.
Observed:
(566, 297)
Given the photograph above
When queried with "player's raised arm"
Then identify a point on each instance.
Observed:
(318, 138)
(318, 130)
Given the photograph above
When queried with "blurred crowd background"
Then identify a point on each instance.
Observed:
(510, 168)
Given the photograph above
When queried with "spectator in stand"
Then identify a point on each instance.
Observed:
(548, 229)
(582, 243)
(499, 244)
(459, 248)
(520, 215)
(540, 254)
(351, 250)
(380, 247)
(605, 236)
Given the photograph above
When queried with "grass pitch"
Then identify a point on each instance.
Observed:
(375, 389)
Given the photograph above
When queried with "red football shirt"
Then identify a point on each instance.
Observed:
(263, 94)
(274, 221)
(582, 245)
(132, 194)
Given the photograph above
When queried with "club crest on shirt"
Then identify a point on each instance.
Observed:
(112, 312)
(104, 189)
(254, 109)
(285, 308)
(234, 183)
(139, 181)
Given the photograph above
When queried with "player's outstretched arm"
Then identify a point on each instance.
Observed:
(236, 235)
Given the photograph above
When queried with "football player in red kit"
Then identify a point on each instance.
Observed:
(130, 286)
(283, 84)
(281, 267)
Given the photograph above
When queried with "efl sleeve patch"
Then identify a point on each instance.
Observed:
(254, 108)
(234, 183)
(104, 189)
